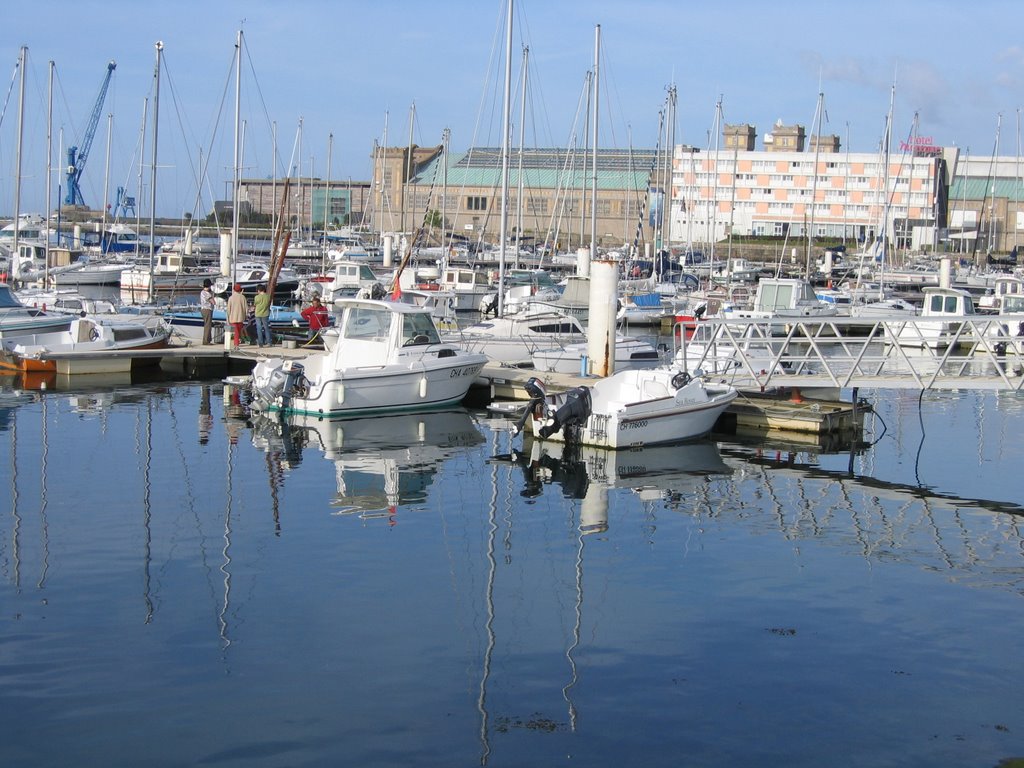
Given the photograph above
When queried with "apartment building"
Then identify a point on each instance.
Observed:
(793, 187)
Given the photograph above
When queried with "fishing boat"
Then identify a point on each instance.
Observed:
(628, 409)
(74, 350)
(382, 356)
(942, 315)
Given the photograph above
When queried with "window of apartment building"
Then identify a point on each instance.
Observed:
(780, 229)
(476, 203)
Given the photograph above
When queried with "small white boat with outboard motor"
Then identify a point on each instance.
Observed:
(628, 409)
(381, 356)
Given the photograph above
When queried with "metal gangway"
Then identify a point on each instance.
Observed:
(954, 353)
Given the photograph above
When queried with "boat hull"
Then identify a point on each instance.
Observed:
(390, 389)
(638, 408)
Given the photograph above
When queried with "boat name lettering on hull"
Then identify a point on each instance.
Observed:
(470, 371)
(638, 424)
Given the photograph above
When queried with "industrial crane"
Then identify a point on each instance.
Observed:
(76, 158)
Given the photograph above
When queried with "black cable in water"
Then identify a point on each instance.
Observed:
(917, 461)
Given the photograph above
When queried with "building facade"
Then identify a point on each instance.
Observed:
(818, 191)
(549, 199)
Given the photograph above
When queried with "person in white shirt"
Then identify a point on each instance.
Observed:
(206, 305)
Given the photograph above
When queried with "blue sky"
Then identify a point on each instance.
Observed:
(347, 68)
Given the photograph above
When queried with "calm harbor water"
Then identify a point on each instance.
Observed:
(184, 584)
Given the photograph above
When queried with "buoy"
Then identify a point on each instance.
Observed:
(795, 396)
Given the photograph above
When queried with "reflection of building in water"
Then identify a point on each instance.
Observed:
(380, 462)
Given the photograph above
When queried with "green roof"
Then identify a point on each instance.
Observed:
(978, 189)
(542, 169)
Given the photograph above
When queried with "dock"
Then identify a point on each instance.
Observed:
(754, 412)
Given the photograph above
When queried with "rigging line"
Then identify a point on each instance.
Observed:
(10, 90)
(204, 167)
(259, 92)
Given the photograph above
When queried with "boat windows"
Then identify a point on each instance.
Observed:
(418, 328)
(366, 323)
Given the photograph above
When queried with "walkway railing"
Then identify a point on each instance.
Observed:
(970, 352)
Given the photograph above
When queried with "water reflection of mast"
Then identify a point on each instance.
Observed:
(226, 550)
(492, 566)
(16, 531)
(593, 519)
(147, 510)
(44, 528)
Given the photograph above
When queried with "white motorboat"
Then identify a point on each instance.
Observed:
(169, 272)
(73, 350)
(628, 409)
(732, 350)
(16, 319)
(784, 298)
(569, 358)
(513, 339)
(67, 301)
(942, 315)
(382, 356)
(92, 273)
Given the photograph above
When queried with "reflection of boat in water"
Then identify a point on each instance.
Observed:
(659, 472)
(380, 462)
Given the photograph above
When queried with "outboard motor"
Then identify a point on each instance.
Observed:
(294, 383)
(538, 394)
(573, 412)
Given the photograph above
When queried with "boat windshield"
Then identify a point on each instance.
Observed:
(418, 328)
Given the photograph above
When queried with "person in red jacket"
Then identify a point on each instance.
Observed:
(317, 316)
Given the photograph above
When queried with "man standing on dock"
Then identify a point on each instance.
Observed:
(206, 304)
(261, 310)
(317, 316)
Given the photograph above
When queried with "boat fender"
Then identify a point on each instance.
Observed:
(681, 379)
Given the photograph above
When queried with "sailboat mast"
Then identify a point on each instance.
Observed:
(506, 140)
(15, 255)
(593, 148)
(237, 158)
(814, 183)
(106, 176)
(140, 180)
(152, 166)
(49, 156)
(522, 139)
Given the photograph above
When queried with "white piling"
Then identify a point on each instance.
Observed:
(389, 246)
(225, 254)
(583, 262)
(945, 273)
(604, 293)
